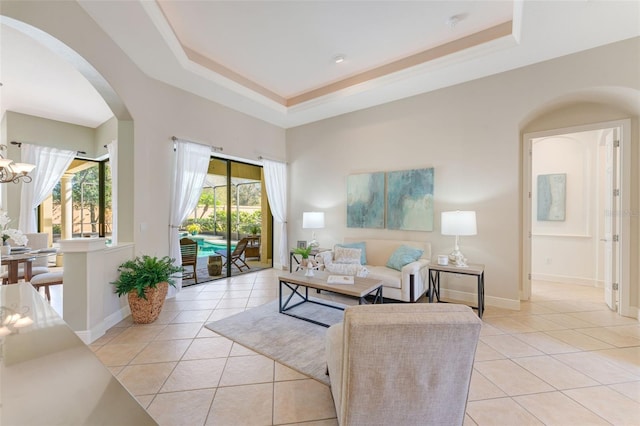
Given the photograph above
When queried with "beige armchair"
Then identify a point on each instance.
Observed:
(402, 364)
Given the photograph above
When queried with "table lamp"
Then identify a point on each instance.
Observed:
(458, 223)
(313, 220)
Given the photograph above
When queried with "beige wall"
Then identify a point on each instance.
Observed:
(158, 112)
(472, 135)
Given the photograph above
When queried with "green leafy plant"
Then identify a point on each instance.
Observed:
(304, 252)
(145, 272)
(194, 228)
(254, 229)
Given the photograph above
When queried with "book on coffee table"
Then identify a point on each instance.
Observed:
(340, 279)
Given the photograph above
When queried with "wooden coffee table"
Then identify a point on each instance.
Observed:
(361, 288)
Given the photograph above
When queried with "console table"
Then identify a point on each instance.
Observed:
(476, 270)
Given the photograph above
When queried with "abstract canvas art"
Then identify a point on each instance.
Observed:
(552, 192)
(365, 200)
(410, 200)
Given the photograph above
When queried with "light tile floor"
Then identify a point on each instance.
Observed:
(563, 359)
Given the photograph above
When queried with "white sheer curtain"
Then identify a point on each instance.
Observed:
(51, 163)
(112, 148)
(275, 177)
(190, 167)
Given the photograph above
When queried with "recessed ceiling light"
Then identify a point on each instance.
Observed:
(338, 59)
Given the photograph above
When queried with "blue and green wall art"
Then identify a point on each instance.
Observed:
(403, 201)
(365, 200)
(410, 200)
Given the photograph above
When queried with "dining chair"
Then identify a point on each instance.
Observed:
(189, 253)
(46, 280)
(36, 241)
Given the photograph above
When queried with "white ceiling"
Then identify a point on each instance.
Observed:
(275, 59)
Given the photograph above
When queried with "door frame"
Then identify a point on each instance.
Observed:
(624, 172)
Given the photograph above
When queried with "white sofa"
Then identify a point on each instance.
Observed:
(406, 285)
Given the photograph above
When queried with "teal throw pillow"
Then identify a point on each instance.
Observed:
(363, 250)
(403, 256)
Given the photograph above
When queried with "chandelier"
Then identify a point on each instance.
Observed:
(13, 172)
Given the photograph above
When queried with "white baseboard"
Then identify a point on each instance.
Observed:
(472, 299)
(568, 280)
(93, 334)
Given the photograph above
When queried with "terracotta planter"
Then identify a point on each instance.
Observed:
(147, 311)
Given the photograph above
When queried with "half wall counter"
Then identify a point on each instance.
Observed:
(48, 376)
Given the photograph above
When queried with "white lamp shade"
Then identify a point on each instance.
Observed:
(458, 223)
(312, 220)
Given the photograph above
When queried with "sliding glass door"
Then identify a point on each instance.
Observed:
(232, 222)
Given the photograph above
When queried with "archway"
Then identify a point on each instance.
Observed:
(590, 110)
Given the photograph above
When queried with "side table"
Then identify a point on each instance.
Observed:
(294, 258)
(476, 270)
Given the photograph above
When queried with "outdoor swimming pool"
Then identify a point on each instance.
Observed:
(207, 248)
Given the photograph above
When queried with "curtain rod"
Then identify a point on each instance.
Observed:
(19, 144)
(213, 148)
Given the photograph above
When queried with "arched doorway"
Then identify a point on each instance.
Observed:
(582, 172)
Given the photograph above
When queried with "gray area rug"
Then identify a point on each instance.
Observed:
(293, 342)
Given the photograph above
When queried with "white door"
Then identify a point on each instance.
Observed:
(611, 227)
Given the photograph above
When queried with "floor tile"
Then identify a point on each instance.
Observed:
(179, 331)
(555, 408)
(282, 373)
(500, 412)
(629, 389)
(579, 340)
(610, 337)
(210, 347)
(545, 343)
(597, 366)
(302, 400)
(195, 374)
(162, 351)
(243, 370)
(144, 379)
(511, 378)
(485, 352)
(192, 316)
(608, 404)
(556, 373)
(481, 388)
(510, 346)
(192, 411)
(119, 353)
(242, 405)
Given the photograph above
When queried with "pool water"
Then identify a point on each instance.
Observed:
(207, 248)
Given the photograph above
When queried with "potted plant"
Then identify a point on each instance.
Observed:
(255, 229)
(306, 263)
(145, 280)
(194, 228)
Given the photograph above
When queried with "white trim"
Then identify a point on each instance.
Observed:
(564, 279)
(562, 235)
(93, 334)
(624, 306)
(472, 299)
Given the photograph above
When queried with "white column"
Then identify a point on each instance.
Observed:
(66, 194)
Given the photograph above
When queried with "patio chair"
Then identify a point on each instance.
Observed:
(189, 253)
(237, 254)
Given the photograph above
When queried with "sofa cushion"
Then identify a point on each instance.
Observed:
(347, 255)
(389, 277)
(403, 255)
(358, 245)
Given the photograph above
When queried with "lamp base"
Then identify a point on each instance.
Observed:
(457, 258)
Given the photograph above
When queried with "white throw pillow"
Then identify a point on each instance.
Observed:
(346, 255)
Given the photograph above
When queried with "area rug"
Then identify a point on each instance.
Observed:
(293, 342)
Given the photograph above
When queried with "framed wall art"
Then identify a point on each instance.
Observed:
(365, 200)
(552, 194)
(410, 200)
